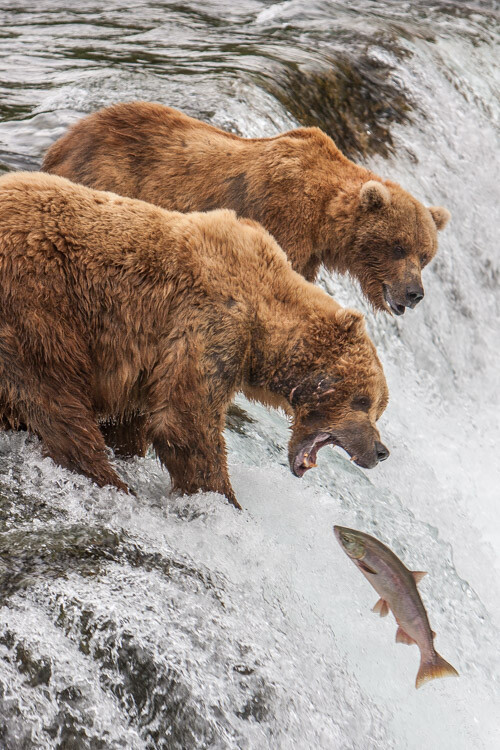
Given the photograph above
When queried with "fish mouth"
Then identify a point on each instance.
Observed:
(394, 306)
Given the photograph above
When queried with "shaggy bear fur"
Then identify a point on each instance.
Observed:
(320, 206)
(112, 309)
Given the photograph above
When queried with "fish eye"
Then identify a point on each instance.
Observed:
(361, 403)
(399, 251)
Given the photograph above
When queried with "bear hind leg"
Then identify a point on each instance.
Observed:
(51, 397)
(82, 450)
(69, 433)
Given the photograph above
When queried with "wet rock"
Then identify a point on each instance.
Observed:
(355, 102)
(237, 420)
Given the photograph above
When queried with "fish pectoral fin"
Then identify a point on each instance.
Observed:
(403, 637)
(381, 607)
(366, 567)
(434, 666)
(418, 575)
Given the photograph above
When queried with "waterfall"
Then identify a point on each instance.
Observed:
(163, 622)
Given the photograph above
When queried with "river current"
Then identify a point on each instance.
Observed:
(163, 622)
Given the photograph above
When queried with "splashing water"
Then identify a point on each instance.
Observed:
(163, 622)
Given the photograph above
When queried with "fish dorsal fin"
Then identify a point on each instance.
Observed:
(381, 607)
(418, 575)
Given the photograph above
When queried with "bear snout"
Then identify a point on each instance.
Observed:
(414, 294)
(371, 457)
(400, 296)
(383, 453)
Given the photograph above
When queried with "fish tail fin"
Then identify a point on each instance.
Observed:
(433, 666)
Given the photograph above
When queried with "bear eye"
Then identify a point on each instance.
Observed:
(399, 251)
(361, 403)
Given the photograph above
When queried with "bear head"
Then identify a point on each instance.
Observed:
(390, 237)
(340, 396)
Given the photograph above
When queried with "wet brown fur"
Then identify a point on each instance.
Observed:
(115, 311)
(298, 185)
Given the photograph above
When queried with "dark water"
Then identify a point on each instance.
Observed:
(161, 622)
(324, 62)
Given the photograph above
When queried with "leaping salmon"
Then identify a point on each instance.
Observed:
(397, 588)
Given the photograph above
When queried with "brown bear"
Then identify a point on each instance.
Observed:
(115, 309)
(320, 206)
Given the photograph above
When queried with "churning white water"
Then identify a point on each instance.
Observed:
(163, 622)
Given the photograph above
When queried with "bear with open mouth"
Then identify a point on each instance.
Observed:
(114, 311)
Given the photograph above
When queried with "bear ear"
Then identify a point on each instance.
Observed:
(351, 321)
(374, 194)
(440, 215)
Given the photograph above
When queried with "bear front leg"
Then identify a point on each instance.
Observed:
(195, 462)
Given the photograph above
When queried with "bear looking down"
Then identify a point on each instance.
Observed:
(319, 206)
(115, 310)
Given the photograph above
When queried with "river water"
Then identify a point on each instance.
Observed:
(163, 622)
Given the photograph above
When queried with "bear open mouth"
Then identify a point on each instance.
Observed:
(305, 458)
(393, 306)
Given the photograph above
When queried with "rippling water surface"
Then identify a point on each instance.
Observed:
(160, 622)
